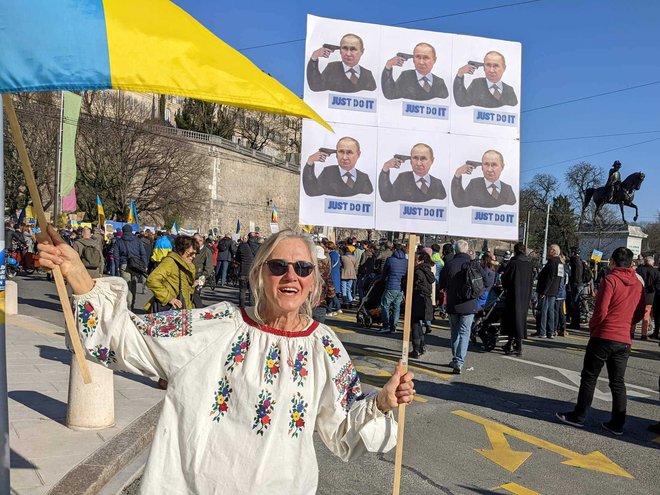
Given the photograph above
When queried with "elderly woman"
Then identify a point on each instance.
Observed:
(247, 387)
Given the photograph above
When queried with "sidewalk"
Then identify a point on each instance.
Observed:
(43, 449)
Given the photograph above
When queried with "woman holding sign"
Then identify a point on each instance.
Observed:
(247, 388)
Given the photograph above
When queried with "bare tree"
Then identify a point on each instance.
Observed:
(535, 197)
(579, 178)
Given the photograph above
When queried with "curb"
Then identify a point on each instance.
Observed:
(91, 475)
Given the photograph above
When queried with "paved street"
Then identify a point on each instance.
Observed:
(491, 429)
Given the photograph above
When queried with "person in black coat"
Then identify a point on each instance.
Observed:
(487, 191)
(547, 287)
(651, 277)
(517, 280)
(244, 258)
(417, 186)
(422, 304)
(347, 76)
(341, 180)
(487, 92)
(418, 84)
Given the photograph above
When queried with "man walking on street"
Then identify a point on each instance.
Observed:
(203, 268)
(651, 277)
(395, 269)
(461, 311)
(132, 258)
(547, 288)
(517, 281)
(619, 305)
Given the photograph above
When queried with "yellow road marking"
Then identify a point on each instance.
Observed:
(594, 461)
(518, 490)
(378, 372)
(502, 454)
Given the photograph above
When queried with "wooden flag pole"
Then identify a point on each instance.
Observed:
(43, 224)
(398, 459)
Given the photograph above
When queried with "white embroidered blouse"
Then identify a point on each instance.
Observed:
(243, 399)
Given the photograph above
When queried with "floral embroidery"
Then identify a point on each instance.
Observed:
(330, 348)
(238, 351)
(175, 323)
(216, 315)
(348, 385)
(297, 413)
(264, 409)
(221, 400)
(299, 367)
(103, 355)
(272, 364)
(87, 318)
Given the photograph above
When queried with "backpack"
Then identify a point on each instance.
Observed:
(91, 257)
(587, 276)
(471, 282)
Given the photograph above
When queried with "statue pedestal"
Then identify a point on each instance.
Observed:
(608, 237)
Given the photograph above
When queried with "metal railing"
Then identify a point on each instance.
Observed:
(227, 144)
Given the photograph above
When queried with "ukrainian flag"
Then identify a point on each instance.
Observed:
(150, 46)
(162, 246)
(273, 217)
(100, 212)
(132, 214)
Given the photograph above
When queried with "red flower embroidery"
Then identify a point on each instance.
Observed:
(265, 420)
(300, 422)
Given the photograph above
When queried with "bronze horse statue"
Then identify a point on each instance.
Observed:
(623, 196)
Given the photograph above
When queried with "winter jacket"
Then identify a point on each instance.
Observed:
(396, 267)
(148, 245)
(436, 258)
(244, 258)
(422, 305)
(335, 269)
(451, 279)
(549, 278)
(619, 305)
(164, 280)
(204, 262)
(253, 242)
(348, 263)
(226, 249)
(130, 246)
(651, 277)
(489, 277)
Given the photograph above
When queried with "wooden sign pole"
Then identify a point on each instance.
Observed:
(41, 219)
(398, 459)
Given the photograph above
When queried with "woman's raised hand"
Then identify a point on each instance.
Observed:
(54, 251)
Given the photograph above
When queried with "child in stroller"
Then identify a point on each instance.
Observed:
(487, 324)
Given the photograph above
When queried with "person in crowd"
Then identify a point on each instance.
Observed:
(439, 263)
(162, 246)
(489, 275)
(203, 268)
(347, 76)
(335, 273)
(422, 303)
(461, 311)
(173, 280)
(226, 252)
(90, 251)
(418, 84)
(547, 287)
(574, 288)
(366, 271)
(506, 257)
(560, 313)
(395, 269)
(147, 238)
(489, 91)
(265, 378)
(620, 303)
(348, 274)
(244, 258)
(656, 315)
(254, 241)
(385, 251)
(517, 281)
(651, 277)
(131, 257)
(320, 310)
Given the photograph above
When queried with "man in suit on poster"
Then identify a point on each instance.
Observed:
(489, 91)
(487, 191)
(341, 180)
(347, 76)
(418, 84)
(417, 186)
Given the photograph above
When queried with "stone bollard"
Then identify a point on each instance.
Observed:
(11, 297)
(92, 406)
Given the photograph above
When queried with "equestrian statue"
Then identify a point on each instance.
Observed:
(615, 192)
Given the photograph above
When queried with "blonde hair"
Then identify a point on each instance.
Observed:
(256, 273)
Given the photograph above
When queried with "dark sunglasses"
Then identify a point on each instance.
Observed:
(280, 267)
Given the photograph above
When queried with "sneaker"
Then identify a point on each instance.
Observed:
(332, 313)
(550, 337)
(567, 418)
(415, 354)
(456, 371)
(613, 430)
(339, 311)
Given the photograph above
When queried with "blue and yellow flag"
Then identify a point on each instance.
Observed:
(132, 214)
(273, 217)
(150, 46)
(99, 211)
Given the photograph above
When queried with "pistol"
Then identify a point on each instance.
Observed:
(473, 63)
(403, 158)
(330, 151)
(334, 47)
(404, 56)
(472, 163)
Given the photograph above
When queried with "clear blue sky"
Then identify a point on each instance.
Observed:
(571, 50)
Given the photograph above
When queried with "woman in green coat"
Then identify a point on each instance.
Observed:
(173, 281)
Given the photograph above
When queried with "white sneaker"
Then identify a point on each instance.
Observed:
(339, 311)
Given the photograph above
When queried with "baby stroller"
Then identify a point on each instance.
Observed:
(369, 310)
(487, 324)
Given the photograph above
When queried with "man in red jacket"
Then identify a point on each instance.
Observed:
(619, 305)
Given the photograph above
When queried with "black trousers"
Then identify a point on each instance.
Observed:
(243, 292)
(614, 355)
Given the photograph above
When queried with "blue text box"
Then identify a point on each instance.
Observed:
(416, 212)
(487, 116)
(354, 103)
(489, 217)
(424, 110)
(349, 207)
